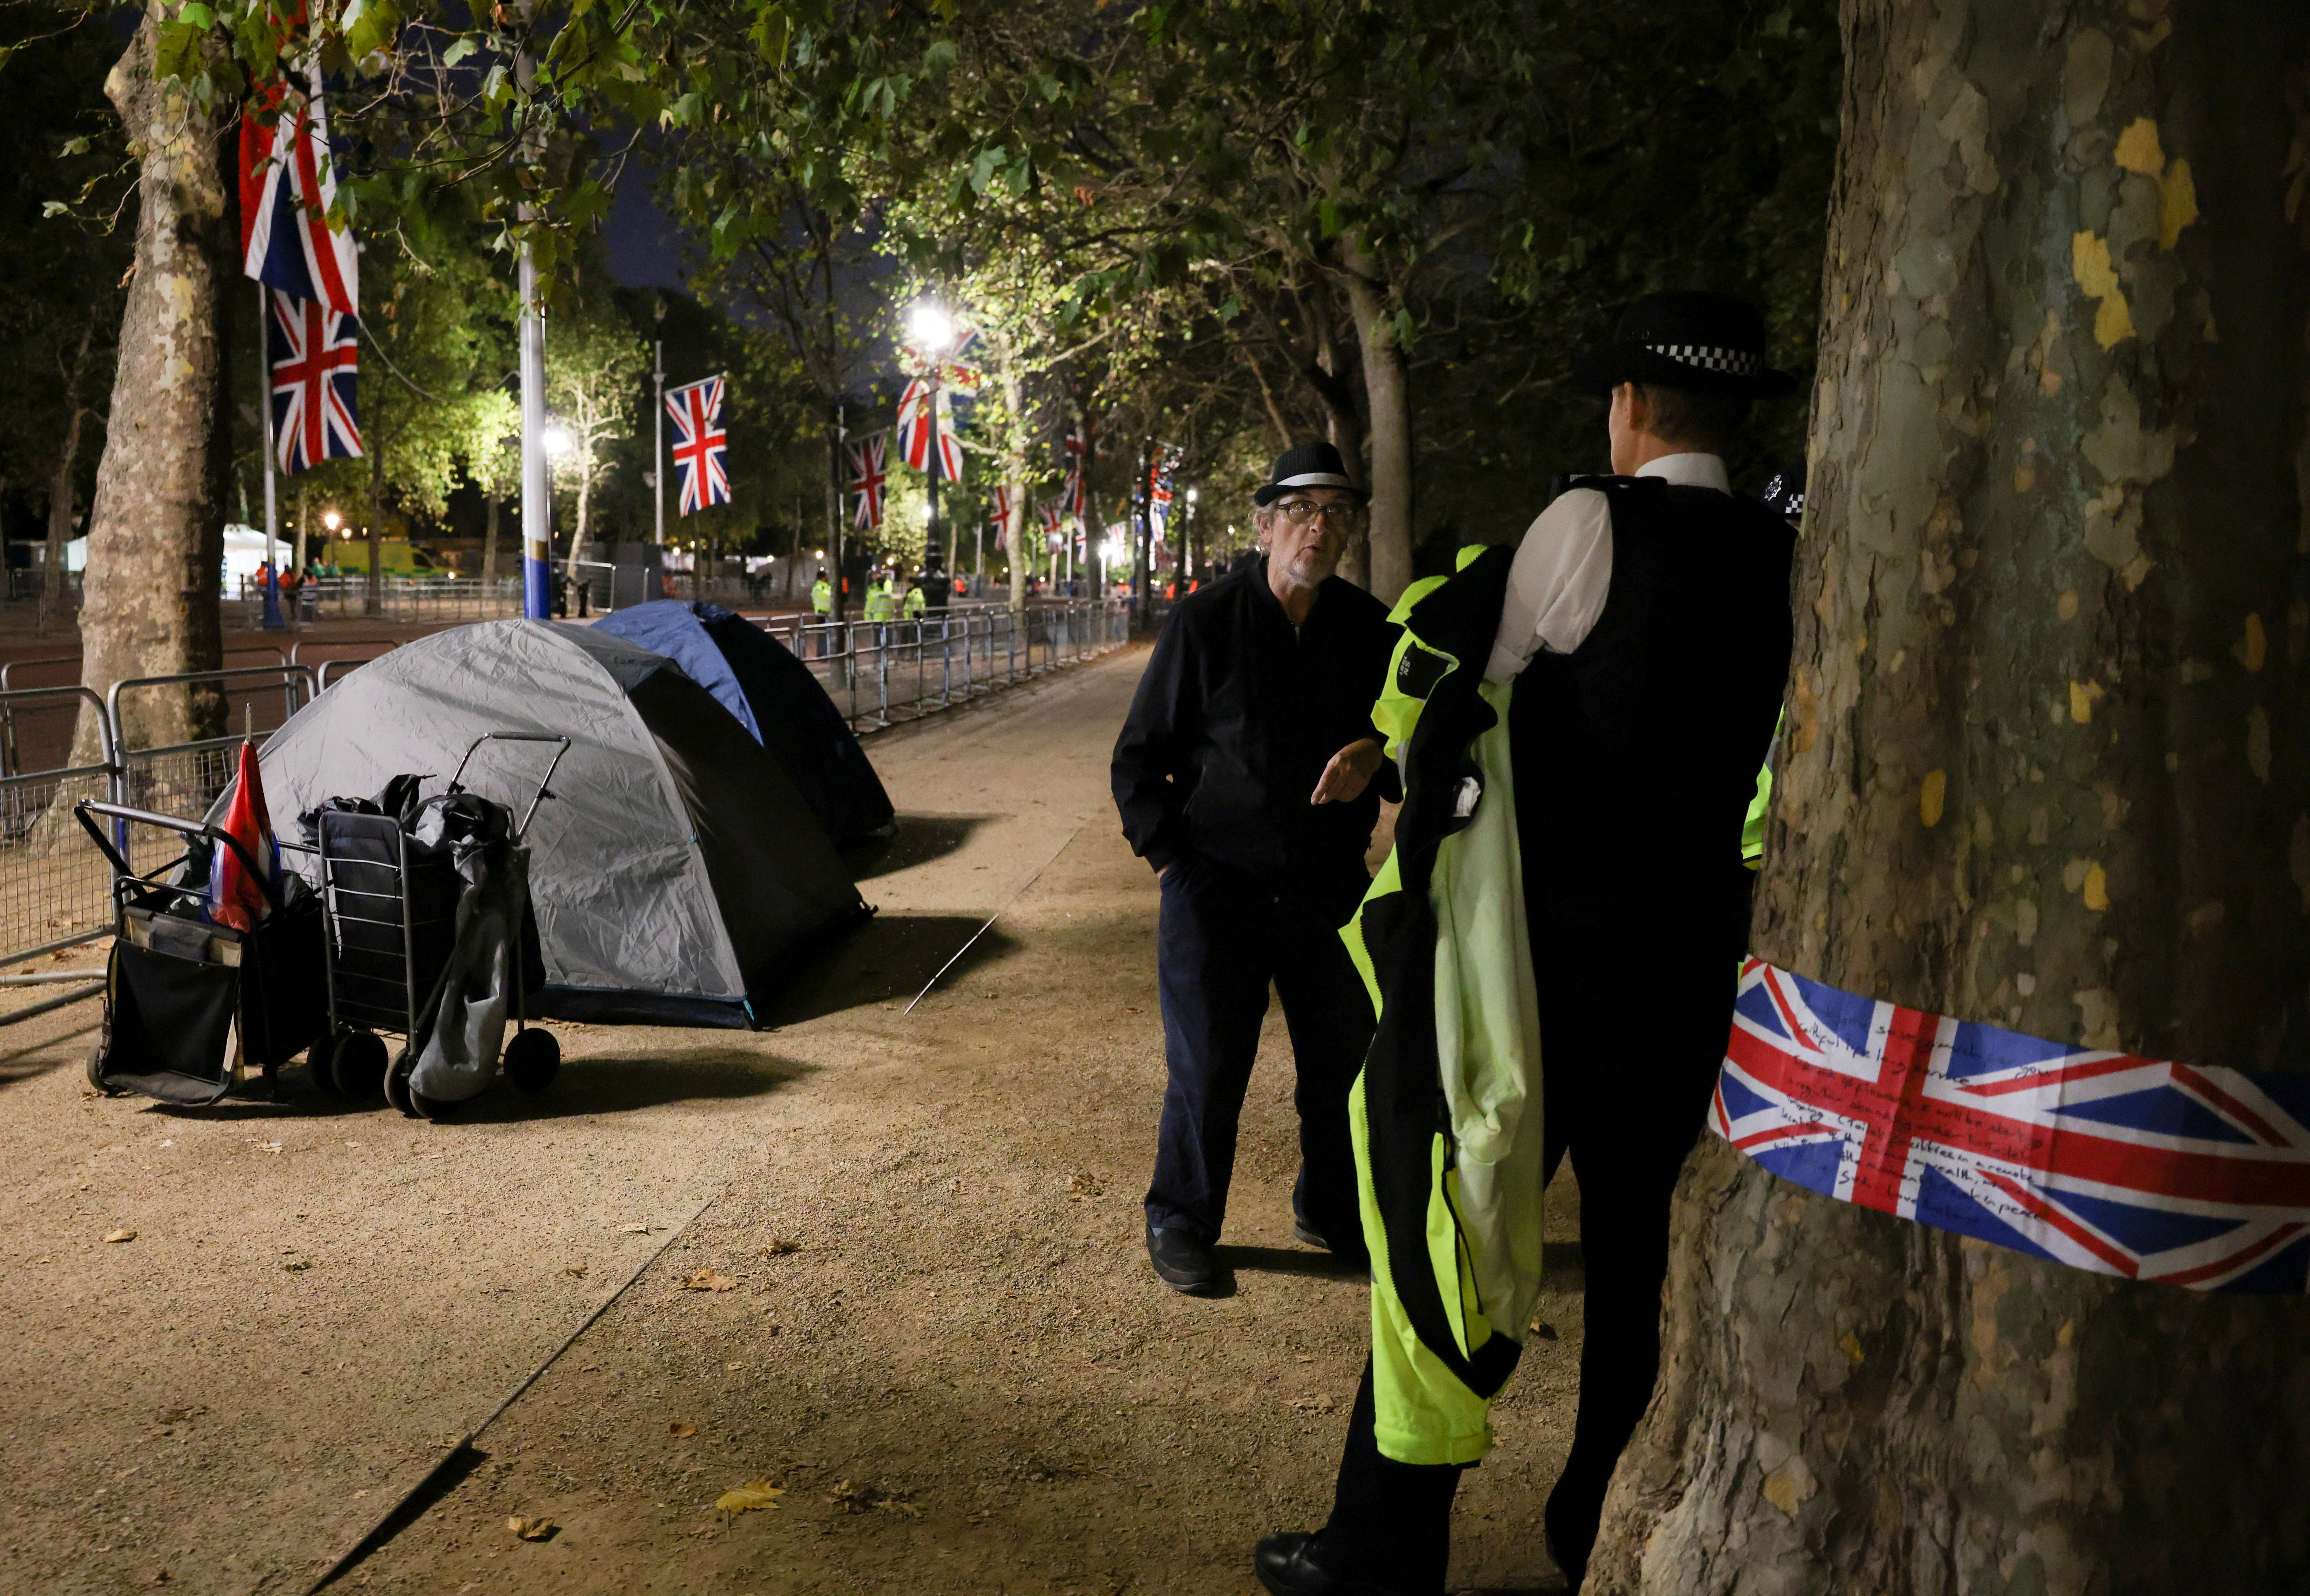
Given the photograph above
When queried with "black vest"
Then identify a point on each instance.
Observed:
(1637, 754)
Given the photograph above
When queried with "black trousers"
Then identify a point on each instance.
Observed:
(1634, 1004)
(1222, 938)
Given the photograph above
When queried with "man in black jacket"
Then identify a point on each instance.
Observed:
(1244, 776)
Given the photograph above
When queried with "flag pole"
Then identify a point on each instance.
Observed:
(537, 506)
(841, 467)
(657, 443)
(265, 413)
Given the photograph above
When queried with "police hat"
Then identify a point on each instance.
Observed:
(1708, 342)
(1307, 466)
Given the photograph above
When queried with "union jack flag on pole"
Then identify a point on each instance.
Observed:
(288, 182)
(314, 361)
(869, 473)
(917, 424)
(2191, 1176)
(700, 447)
(1159, 489)
(1072, 497)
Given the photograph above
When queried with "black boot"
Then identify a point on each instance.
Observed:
(1185, 1263)
(1293, 1564)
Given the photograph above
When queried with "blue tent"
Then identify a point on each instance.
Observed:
(775, 697)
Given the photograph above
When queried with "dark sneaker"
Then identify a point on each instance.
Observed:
(1307, 1234)
(1185, 1263)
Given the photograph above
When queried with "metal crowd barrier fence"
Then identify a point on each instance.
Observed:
(879, 672)
(184, 778)
(399, 598)
(55, 891)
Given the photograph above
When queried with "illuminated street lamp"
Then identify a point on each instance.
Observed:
(558, 441)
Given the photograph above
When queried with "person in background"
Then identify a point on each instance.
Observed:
(917, 601)
(821, 606)
(1248, 775)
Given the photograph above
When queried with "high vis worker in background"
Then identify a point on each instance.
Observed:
(1552, 945)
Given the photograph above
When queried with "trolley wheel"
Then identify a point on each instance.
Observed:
(532, 1060)
(357, 1063)
(96, 1072)
(396, 1083)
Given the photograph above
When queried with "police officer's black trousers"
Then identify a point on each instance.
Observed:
(1222, 938)
(1634, 1005)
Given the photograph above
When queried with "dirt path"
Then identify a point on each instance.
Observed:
(929, 1229)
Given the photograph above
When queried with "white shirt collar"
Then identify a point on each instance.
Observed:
(1690, 471)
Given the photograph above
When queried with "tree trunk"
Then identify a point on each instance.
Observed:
(1341, 422)
(303, 552)
(577, 533)
(1387, 395)
(60, 481)
(2045, 767)
(156, 531)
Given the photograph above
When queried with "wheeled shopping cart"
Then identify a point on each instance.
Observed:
(430, 937)
(193, 1008)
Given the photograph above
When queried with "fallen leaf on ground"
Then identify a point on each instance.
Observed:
(123, 1234)
(708, 1279)
(780, 1243)
(678, 1428)
(576, 1272)
(1083, 1184)
(1545, 1332)
(531, 1529)
(298, 1266)
(749, 1497)
(635, 1229)
(185, 1415)
(1313, 1404)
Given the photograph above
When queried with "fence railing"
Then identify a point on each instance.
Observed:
(399, 598)
(879, 672)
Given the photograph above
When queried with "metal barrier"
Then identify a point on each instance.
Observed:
(55, 891)
(184, 778)
(399, 598)
(879, 672)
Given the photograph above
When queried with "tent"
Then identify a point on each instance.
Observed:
(674, 870)
(775, 697)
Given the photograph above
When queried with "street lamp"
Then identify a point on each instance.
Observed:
(933, 327)
(331, 519)
(557, 440)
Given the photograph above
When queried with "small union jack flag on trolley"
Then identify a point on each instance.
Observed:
(2193, 1176)
(700, 447)
(314, 361)
(869, 473)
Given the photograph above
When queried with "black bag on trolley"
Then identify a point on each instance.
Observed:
(191, 1007)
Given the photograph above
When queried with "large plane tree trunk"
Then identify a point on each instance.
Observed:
(156, 531)
(2048, 766)
(1387, 395)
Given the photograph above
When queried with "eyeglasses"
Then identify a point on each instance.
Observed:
(1301, 512)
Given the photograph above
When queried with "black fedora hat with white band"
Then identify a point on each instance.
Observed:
(1709, 342)
(1307, 466)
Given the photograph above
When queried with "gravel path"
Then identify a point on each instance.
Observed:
(902, 1278)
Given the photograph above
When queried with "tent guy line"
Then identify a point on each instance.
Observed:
(998, 913)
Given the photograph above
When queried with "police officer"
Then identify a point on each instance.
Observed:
(917, 601)
(1644, 623)
(881, 602)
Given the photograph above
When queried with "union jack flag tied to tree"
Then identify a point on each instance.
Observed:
(869, 472)
(998, 510)
(702, 447)
(313, 359)
(288, 182)
(917, 426)
(2196, 1177)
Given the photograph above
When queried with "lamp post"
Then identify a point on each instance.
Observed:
(553, 441)
(934, 336)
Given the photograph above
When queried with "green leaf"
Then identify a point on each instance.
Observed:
(197, 15)
(458, 51)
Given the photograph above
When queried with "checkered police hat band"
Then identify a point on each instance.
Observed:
(1735, 363)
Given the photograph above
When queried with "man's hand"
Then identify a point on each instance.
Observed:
(1351, 771)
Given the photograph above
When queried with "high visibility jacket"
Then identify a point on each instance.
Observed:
(917, 602)
(882, 603)
(1445, 1116)
(821, 596)
(1753, 830)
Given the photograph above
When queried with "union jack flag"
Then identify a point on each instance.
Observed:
(702, 447)
(869, 472)
(315, 359)
(2193, 1176)
(288, 182)
(916, 425)
(959, 373)
(1072, 496)
(1159, 489)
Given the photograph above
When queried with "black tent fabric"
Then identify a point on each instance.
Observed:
(774, 696)
(675, 872)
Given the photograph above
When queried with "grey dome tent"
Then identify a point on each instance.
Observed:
(773, 694)
(674, 871)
